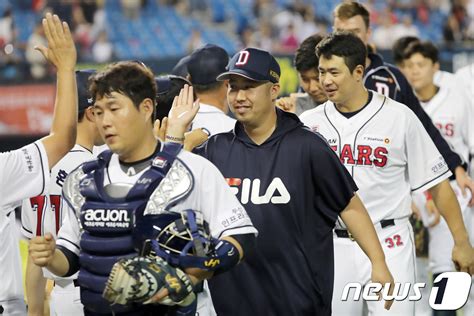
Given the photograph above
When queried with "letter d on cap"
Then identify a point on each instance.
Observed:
(243, 58)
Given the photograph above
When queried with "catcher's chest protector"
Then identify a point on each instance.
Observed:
(107, 219)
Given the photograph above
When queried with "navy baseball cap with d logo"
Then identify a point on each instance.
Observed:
(254, 64)
(83, 97)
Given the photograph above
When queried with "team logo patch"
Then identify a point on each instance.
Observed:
(159, 162)
(274, 75)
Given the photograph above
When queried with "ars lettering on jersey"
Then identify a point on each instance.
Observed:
(250, 191)
(362, 155)
(445, 128)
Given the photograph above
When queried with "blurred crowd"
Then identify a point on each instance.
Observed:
(281, 31)
(276, 26)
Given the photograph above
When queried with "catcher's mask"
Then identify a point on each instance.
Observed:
(173, 236)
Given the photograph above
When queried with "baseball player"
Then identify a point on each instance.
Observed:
(441, 78)
(389, 81)
(25, 172)
(44, 214)
(204, 65)
(139, 179)
(454, 116)
(465, 76)
(293, 187)
(388, 158)
(306, 65)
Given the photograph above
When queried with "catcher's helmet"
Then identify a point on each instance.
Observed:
(177, 235)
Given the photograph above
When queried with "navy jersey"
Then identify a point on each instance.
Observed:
(293, 187)
(387, 79)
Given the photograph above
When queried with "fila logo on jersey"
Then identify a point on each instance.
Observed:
(276, 192)
(366, 155)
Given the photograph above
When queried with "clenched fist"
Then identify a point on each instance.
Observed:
(41, 249)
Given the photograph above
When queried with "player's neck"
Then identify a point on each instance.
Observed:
(427, 93)
(356, 102)
(215, 101)
(260, 132)
(142, 150)
(84, 138)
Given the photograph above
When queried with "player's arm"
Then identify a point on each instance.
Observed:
(35, 288)
(244, 244)
(61, 52)
(447, 204)
(358, 222)
(43, 253)
(61, 257)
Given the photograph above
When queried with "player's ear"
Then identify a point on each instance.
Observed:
(275, 91)
(358, 72)
(436, 66)
(89, 114)
(146, 107)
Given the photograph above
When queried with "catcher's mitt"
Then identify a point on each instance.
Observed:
(138, 279)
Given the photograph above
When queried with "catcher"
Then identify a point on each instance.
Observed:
(146, 222)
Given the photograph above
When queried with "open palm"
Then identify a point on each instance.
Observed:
(183, 110)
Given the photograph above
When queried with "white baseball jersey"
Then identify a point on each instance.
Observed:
(212, 119)
(445, 79)
(210, 194)
(387, 151)
(389, 154)
(465, 76)
(452, 114)
(44, 213)
(23, 173)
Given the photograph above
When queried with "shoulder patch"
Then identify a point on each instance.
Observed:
(30, 165)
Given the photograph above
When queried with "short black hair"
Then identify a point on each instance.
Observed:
(399, 47)
(202, 88)
(426, 49)
(345, 45)
(305, 57)
(130, 78)
(164, 99)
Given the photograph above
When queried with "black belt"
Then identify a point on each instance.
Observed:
(344, 233)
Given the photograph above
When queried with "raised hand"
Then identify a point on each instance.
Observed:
(287, 104)
(61, 51)
(182, 113)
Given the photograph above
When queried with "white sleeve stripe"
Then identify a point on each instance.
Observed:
(233, 228)
(434, 179)
(42, 169)
(70, 242)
